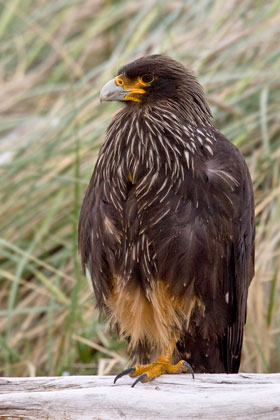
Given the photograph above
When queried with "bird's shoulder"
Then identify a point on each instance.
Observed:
(226, 162)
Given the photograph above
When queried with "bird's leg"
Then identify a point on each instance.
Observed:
(163, 364)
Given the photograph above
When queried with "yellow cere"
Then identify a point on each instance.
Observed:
(134, 87)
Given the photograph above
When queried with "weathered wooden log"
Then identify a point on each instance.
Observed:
(219, 397)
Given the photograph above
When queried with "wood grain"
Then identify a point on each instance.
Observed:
(219, 397)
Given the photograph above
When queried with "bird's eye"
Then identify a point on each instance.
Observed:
(119, 81)
(147, 78)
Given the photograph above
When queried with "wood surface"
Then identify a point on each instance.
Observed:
(218, 397)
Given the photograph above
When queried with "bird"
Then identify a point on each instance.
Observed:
(167, 226)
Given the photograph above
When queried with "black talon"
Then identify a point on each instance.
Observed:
(124, 372)
(189, 367)
(139, 379)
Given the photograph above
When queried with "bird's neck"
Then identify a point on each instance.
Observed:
(146, 139)
(193, 112)
(189, 110)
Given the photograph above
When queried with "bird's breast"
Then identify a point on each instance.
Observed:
(157, 201)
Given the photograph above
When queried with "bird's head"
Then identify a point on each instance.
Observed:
(155, 78)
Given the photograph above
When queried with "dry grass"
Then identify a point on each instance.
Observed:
(54, 58)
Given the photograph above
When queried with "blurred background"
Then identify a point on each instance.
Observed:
(55, 55)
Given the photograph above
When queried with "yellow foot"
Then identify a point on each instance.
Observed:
(146, 373)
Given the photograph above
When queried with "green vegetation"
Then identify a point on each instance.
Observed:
(54, 58)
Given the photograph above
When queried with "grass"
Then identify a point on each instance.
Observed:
(54, 58)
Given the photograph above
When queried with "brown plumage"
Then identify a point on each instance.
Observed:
(167, 223)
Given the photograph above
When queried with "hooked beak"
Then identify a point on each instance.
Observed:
(112, 92)
(121, 88)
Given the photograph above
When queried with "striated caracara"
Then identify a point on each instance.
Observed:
(167, 225)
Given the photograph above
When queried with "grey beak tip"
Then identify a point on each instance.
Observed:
(112, 92)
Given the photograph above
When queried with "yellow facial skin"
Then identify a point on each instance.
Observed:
(134, 87)
(122, 88)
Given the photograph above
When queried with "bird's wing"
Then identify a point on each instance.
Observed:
(93, 233)
(239, 273)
